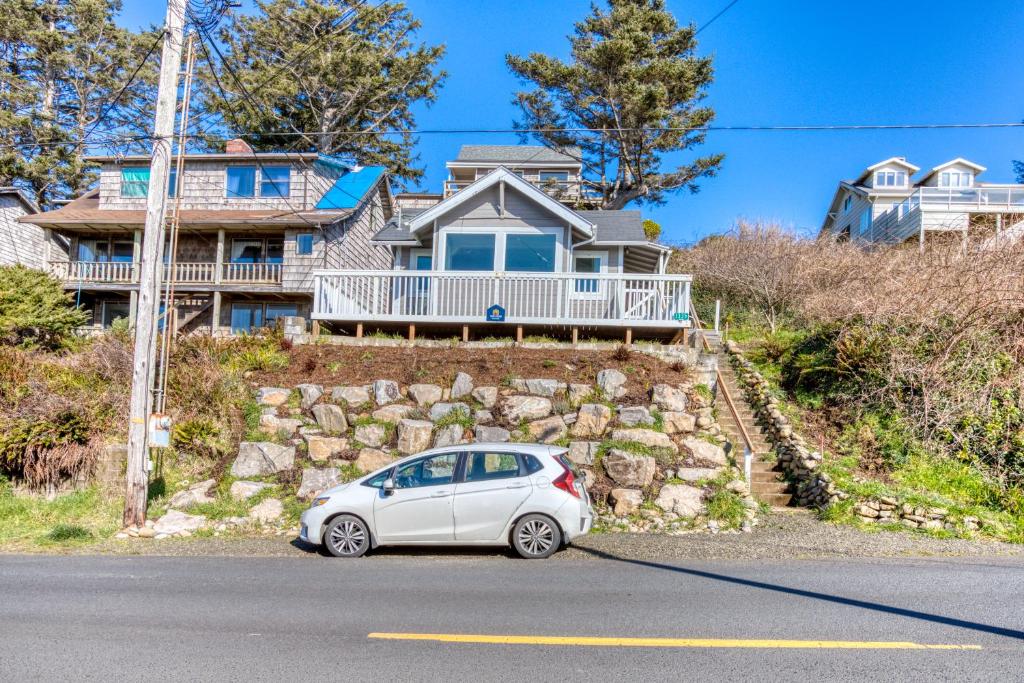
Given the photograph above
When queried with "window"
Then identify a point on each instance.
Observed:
(956, 179)
(554, 177)
(434, 471)
(865, 221)
(241, 181)
(172, 184)
(532, 464)
(304, 244)
(275, 250)
(246, 317)
(250, 250)
(890, 179)
(106, 250)
(114, 310)
(483, 466)
(377, 481)
(246, 251)
(275, 181)
(530, 253)
(280, 310)
(469, 252)
(134, 182)
(847, 203)
(589, 263)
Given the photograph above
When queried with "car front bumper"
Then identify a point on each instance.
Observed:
(311, 525)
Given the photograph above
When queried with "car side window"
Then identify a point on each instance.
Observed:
(436, 470)
(378, 481)
(485, 465)
(532, 464)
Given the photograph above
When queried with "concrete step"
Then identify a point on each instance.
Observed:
(775, 500)
(762, 487)
(769, 476)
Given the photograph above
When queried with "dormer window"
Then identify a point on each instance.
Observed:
(956, 179)
(890, 179)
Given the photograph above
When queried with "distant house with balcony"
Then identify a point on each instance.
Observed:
(253, 227)
(509, 243)
(886, 205)
(20, 243)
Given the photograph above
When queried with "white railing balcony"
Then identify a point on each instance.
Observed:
(563, 190)
(568, 299)
(185, 273)
(257, 273)
(980, 198)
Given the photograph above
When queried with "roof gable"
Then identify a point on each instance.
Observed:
(502, 174)
(959, 161)
(891, 161)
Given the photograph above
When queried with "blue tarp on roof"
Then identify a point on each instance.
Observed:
(349, 189)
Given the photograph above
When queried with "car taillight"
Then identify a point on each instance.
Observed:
(566, 482)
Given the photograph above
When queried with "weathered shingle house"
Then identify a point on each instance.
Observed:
(20, 243)
(253, 227)
(885, 205)
(511, 237)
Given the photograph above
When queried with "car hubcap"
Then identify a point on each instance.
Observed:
(536, 537)
(348, 537)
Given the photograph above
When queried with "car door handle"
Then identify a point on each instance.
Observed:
(519, 485)
(440, 494)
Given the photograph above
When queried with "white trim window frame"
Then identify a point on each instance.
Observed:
(586, 288)
(500, 235)
(890, 178)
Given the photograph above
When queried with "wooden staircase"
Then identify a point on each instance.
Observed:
(766, 481)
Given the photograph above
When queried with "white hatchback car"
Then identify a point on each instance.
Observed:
(528, 496)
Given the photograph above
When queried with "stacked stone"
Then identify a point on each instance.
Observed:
(800, 464)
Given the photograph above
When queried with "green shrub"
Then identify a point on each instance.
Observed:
(34, 309)
(68, 532)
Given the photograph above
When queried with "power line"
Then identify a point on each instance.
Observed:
(712, 19)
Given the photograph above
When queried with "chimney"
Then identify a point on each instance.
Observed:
(237, 146)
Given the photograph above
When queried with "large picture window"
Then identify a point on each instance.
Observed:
(530, 253)
(469, 252)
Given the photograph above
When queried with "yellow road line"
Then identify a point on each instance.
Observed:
(593, 641)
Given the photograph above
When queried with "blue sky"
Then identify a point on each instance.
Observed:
(777, 62)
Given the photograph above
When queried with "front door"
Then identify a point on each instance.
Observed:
(493, 489)
(420, 507)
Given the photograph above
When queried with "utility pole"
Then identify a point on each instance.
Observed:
(137, 478)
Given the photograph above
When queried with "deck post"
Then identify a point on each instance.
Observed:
(314, 328)
(215, 314)
(629, 336)
(575, 337)
(218, 265)
(465, 333)
(359, 330)
(412, 332)
(686, 336)
(519, 334)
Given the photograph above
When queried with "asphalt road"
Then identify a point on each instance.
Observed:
(222, 618)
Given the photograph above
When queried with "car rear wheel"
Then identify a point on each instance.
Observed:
(535, 537)
(347, 536)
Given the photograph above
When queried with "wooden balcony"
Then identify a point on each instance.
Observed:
(564, 299)
(127, 273)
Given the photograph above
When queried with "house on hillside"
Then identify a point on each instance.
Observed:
(20, 243)
(508, 243)
(253, 227)
(886, 205)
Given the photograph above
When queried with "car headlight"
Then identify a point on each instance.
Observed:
(317, 502)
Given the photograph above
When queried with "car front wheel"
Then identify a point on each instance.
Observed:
(535, 537)
(347, 536)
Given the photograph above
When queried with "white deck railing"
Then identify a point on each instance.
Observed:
(527, 298)
(968, 198)
(108, 272)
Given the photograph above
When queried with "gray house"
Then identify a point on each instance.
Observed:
(253, 227)
(511, 247)
(20, 243)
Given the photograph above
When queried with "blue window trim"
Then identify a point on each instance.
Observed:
(304, 244)
(227, 182)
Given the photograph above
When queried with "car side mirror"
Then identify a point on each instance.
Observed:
(388, 486)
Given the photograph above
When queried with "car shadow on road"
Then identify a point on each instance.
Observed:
(417, 551)
(837, 599)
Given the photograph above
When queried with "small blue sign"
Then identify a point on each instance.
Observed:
(495, 314)
(681, 316)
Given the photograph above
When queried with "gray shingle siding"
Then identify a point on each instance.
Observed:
(19, 242)
(348, 243)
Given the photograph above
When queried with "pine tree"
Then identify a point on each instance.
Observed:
(62, 63)
(633, 68)
(321, 67)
